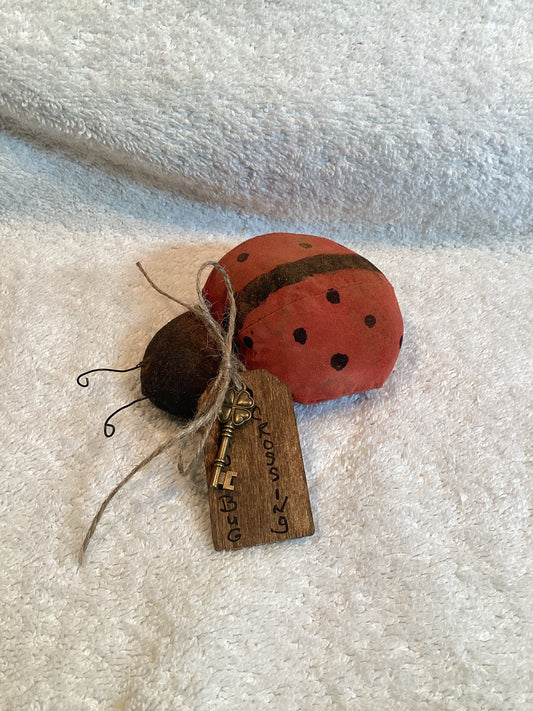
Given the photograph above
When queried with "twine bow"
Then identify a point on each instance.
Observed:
(211, 404)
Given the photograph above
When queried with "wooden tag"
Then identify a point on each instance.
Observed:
(270, 499)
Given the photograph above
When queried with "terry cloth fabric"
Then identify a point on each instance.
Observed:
(406, 113)
(415, 591)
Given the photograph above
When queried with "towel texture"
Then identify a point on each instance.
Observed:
(414, 592)
(405, 113)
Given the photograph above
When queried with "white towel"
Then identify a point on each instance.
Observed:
(414, 591)
(404, 113)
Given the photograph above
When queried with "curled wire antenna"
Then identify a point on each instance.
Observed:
(83, 380)
(109, 429)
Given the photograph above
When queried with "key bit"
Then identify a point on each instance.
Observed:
(236, 410)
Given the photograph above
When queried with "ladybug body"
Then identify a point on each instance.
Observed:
(320, 317)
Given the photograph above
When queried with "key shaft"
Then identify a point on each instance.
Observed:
(221, 460)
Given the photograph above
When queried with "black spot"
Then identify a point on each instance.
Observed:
(370, 321)
(305, 245)
(300, 335)
(243, 256)
(333, 296)
(401, 340)
(339, 361)
(248, 342)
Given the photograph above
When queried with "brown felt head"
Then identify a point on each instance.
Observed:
(179, 362)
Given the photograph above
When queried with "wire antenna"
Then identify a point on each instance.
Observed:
(85, 382)
(109, 429)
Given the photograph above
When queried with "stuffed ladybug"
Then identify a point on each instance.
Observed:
(320, 317)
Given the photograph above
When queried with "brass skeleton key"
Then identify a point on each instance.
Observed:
(236, 410)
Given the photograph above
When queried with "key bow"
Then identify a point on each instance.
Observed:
(237, 406)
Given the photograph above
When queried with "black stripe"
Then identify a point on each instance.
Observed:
(259, 289)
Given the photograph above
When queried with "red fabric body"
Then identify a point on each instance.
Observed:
(325, 335)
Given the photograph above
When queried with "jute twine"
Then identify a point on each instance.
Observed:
(210, 404)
